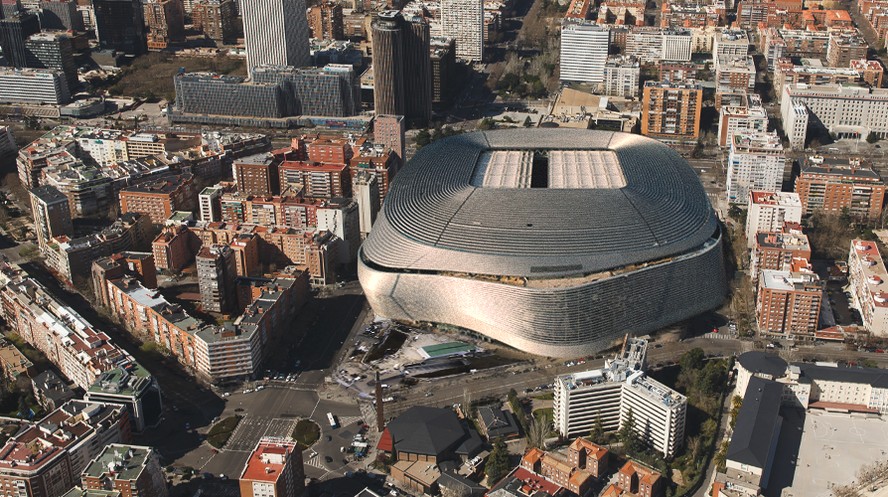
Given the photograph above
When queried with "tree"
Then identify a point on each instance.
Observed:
(487, 124)
(872, 137)
(422, 138)
(527, 122)
(537, 431)
(692, 359)
(497, 463)
(627, 435)
(597, 433)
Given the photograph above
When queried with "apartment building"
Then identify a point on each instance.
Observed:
(671, 111)
(635, 478)
(788, 304)
(46, 458)
(214, 354)
(132, 470)
(217, 19)
(325, 21)
(768, 211)
(836, 186)
(7, 141)
(845, 46)
(584, 49)
(274, 469)
(812, 72)
(165, 20)
(314, 179)
(621, 77)
(52, 214)
(608, 395)
(866, 275)
(748, 118)
(159, 198)
(655, 44)
(257, 174)
(216, 276)
(730, 42)
(870, 71)
(79, 351)
(558, 468)
(755, 162)
(172, 248)
(463, 20)
(209, 208)
(775, 250)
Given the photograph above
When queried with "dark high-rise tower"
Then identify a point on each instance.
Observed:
(14, 30)
(61, 15)
(50, 50)
(402, 67)
(120, 25)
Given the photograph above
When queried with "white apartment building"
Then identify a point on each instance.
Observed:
(610, 393)
(621, 76)
(584, 47)
(748, 119)
(275, 33)
(105, 146)
(656, 44)
(755, 162)
(867, 278)
(734, 71)
(847, 111)
(463, 20)
(730, 42)
(768, 210)
(208, 201)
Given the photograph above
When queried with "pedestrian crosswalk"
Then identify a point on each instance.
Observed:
(312, 458)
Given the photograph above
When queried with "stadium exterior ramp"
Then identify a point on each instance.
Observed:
(555, 242)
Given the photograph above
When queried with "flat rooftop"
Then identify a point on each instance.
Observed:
(830, 448)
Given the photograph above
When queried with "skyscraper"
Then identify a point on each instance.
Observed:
(463, 20)
(120, 25)
(584, 47)
(10, 8)
(402, 67)
(14, 30)
(216, 276)
(276, 32)
(50, 50)
(52, 214)
(61, 15)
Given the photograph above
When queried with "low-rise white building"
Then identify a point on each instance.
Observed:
(769, 210)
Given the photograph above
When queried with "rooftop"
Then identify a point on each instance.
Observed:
(785, 199)
(268, 460)
(758, 422)
(119, 462)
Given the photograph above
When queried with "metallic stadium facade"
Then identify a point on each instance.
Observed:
(555, 242)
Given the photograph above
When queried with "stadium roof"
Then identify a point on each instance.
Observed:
(540, 203)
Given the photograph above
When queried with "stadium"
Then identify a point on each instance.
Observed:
(554, 242)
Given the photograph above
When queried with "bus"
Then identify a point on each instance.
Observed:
(332, 420)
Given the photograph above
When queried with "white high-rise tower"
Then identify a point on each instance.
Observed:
(276, 32)
(463, 20)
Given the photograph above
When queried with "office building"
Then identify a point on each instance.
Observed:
(61, 15)
(165, 20)
(748, 118)
(217, 19)
(14, 30)
(274, 469)
(788, 303)
(730, 42)
(866, 275)
(159, 198)
(388, 130)
(325, 21)
(768, 211)
(120, 25)
(608, 395)
(45, 458)
(413, 285)
(835, 186)
(52, 214)
(621, 77)
(671, 111)
(851, 112)
(443, 58)
(276, 33)
(463, 20)
(755, 162)
(775, 250)
(584, 48)
(257, 174)
(402, 67)
(132, 470)
(216, 276)
(53, 51)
